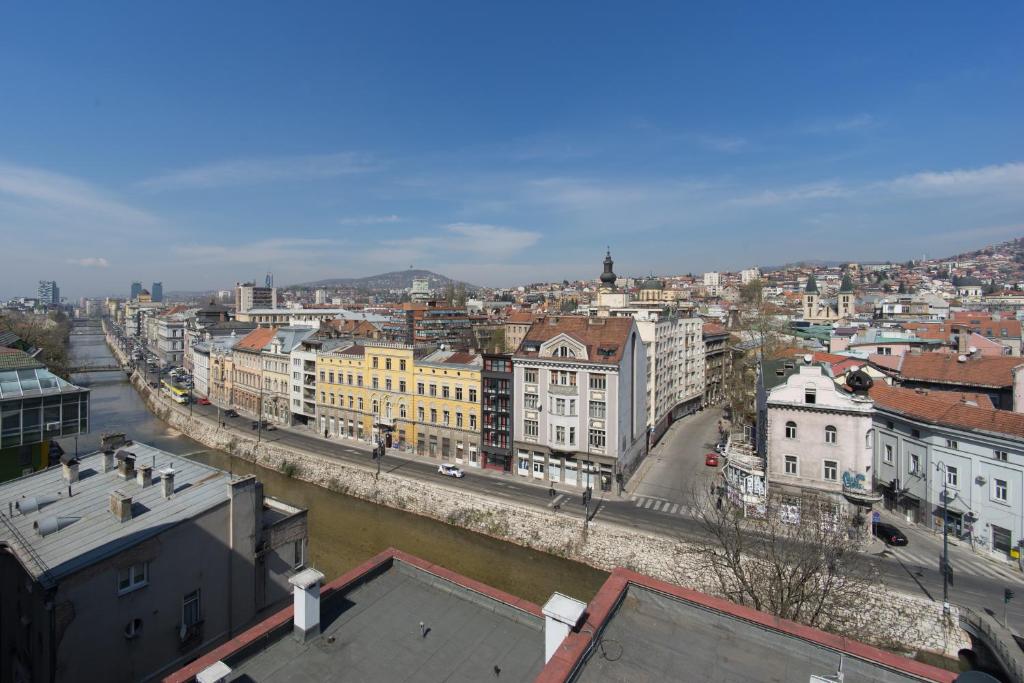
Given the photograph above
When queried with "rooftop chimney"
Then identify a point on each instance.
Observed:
(167, 482)
(108, 460)
(561, 615)
(125, 465)
(306, 604)
(120, 506)
(70, 470)
(144, 476)
(217, 672)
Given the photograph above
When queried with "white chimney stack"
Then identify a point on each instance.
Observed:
(561, 615)
(167, 482)
(306, 604)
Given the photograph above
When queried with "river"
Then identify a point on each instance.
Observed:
(343, 531)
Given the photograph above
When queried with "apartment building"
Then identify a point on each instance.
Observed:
(248, 296)
(122, 566)
(247, 370)
(497, 398)
(448, 406)
(717, 362)
(580, 407)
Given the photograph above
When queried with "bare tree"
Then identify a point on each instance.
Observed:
(796, 561)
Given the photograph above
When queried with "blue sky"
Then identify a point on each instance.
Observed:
(201, 143)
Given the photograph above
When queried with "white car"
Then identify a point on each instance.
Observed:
(450, 471)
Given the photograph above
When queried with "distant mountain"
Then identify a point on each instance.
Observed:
(399, 279)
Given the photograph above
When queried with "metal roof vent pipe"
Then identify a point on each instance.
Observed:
(70, 471)
(306, 604)
(47, 526)
(29, 505)
(167, 482)
(144, 476)
(561, 615)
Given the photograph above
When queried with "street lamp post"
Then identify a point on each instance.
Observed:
(945, 536)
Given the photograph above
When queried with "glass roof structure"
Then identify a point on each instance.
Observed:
(30, 382)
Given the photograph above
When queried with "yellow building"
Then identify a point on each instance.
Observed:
(406, 396)
(447, 417)
(365, 392)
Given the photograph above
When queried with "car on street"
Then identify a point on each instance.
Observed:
(720, 448)
(711, 459)
(231, 412)
(450, 471)
(202, 401)
(889, 534)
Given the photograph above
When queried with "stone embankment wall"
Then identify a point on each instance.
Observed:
(890, 620)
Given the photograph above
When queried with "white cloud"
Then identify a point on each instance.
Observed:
(257, 171)
(369, 220)
(799, 193)
(479, 240)
(90, 262)
(270, 253)
(721, 144)
(56, 197)
(984, 180)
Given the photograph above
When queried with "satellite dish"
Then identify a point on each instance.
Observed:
(961, 358)
(972, 350)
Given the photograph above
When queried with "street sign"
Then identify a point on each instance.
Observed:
(876, 517)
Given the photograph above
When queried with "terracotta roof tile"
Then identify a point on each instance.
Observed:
(944, 368)
(257, 339)
(608, 335)
(939, 409)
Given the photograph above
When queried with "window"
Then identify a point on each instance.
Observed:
(360, 403)
(419, 413)
(419, 388)
(376, 407)
(791, 430)
(359, 380)
(916, 433)
(810, 395)
(598, 382)
(597, 438)
(458, 393)
(387, 363)
(530, 375)
(472, 420)
(375, 383)
(952, 476)
(830, 434)
(563, 378)
(322, 375)
(375, 359)
(950, 443)
(350, 378)
(889, 424)
(446, 417)
(564, 352)
(472, 395)
(401, 385)
(297, 555)
(1000, 455)
(792, 466)
(433, 390)
(888, 454)
(531, 401)
(387, 383)
(458, 420)
(190, 612)
(1000, 490)
(401, 410)
(559, 434)
(530, 429)
(831, 470)
(132, 578)
(444, 391)
(572, 436)
(401, 364)
(915, 463)
(433, 415)
(597, 409)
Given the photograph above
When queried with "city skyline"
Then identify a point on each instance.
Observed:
(345, 143)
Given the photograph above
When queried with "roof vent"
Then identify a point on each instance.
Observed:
(808, 358)
(961, 358)
(971, 350)
(120, 506)
(29, 505)
(47, 526)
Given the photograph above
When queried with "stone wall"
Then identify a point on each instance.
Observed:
(887, 619)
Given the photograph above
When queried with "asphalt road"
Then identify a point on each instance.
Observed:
(659, 502)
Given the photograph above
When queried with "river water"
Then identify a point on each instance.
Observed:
(343, 531)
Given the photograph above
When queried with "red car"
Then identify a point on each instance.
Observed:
(203, 401)
(711, 459)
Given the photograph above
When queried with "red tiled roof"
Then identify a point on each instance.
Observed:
(940, 409)
(257, 339)
(607, 334)
(883, 361)
(520, 317)
(714, 328)
(462, 358)
(944, 368)
(819, 356)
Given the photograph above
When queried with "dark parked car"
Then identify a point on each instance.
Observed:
(889, 534)
(231, 412)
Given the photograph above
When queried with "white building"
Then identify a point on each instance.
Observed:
(817, 439)
(580, 408)
(249, 296)
(748, 275)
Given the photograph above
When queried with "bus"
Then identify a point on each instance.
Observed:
(177, 392)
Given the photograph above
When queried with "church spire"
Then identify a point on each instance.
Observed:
(608, 277)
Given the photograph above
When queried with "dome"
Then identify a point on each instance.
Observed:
(652, 283)
(608, 277)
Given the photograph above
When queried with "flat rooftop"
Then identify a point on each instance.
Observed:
(654, 636)
(89, 532)
(370, 631)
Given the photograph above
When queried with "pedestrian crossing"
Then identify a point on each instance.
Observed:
(664, 506)
(963, 562)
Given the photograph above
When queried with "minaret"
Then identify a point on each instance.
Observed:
(608, 277)
(846, 297)
(810, 298)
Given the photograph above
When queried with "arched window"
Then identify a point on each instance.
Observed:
(564, 352)
(791, 430)
(401, 410)
(830, 434)
(376, 407)
(387, 407)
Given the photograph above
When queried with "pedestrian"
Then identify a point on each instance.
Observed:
(718, 503)
(325, 433)
(551, 492)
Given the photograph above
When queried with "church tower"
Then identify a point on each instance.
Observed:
(846, 307)
(811, 299)
(608, 295)
(608, 277)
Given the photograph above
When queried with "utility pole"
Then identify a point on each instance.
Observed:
(945, 536)
(1007, 596)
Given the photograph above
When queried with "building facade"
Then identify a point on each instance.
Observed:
(49, 293)
(717, 362)
(249, 296)
(580, 403)
(448, 406)
(497, 399)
